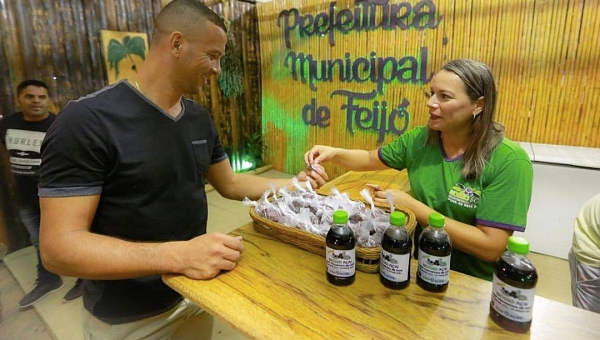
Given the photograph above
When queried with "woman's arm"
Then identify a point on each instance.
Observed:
(485, 243)
(351, 159)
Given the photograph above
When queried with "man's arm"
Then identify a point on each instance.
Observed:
(237, 186)
(68, 247)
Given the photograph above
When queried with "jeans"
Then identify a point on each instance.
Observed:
(184, 321)
(30, 216)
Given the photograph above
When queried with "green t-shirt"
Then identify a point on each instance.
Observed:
(499, 198)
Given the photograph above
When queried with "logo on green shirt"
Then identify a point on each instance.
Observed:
(464, 196)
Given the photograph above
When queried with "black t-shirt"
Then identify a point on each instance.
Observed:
(149, 169)
(23, 140)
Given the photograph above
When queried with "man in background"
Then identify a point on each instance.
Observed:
(584, 257)
(21, 134)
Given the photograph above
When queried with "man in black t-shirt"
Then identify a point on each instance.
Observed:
(122, 186)
(21, 133)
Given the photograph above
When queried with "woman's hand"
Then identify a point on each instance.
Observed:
(319, 154)
(400, 198)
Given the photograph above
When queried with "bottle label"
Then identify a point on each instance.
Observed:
(513, 303)
(341, 263)
(394, 267)
(434, 269)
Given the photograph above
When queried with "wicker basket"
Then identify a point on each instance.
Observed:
(367, 259)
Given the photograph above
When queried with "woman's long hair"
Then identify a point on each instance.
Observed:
(486, 133)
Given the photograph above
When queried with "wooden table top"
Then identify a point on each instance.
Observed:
(279, 291)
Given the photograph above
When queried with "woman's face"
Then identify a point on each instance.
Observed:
(450, 109)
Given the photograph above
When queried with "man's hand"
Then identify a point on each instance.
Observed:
(315, 174)
(205, 256)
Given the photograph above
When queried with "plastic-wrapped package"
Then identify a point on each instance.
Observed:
(304, 209)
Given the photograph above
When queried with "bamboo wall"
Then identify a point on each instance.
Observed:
(544, 54)
(58, 42)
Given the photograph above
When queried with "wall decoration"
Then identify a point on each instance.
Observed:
(123, 52)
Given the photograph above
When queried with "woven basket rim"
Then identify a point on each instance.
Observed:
(367, 258)
(411, 223)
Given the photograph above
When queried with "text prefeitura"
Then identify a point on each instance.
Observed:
(368, 15)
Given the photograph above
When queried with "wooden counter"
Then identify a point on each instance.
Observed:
(279, 291)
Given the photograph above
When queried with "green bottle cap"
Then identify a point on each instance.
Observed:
(436, 220)
(397, 218)
(340, 217)
(518, 245)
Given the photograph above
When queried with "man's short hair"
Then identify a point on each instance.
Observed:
(181, 15)
(30, 82)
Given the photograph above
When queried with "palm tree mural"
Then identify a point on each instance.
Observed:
(118, 51)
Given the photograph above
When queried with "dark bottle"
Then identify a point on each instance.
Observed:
(396, 244)
(435, 248)
(340, 251)
(513, 287)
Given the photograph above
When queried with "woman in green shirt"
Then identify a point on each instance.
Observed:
(459, 165)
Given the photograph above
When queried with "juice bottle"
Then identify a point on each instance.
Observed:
(435, 248)
(396, 244)
(513, 287)
(340, 251)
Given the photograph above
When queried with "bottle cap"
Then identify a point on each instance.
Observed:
(436, 220)
(518, 245)
(340, 217)
(397, 218)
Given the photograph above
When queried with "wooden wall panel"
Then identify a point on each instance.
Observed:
(58, 41)
(544, 53)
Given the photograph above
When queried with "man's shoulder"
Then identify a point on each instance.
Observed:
(10, 120)
(107, 93)
(108, 98)
(51, 116)
(11, 117)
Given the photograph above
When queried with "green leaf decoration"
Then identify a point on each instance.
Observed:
(231, 81)
(117, 51)
(135, 45)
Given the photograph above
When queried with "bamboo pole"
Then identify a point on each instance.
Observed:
(555, 73)
(590, 83)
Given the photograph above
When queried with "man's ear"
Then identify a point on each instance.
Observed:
(176, 42)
